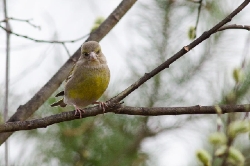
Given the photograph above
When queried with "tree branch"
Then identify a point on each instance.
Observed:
(234, 26)
(25, 111)
(119, 109)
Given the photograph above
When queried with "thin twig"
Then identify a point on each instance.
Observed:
(198, 17)
(66, 49)
(6, 95)
(44, 41)
(28, 21)
(234, 26)
(119, 109)
(194, 1)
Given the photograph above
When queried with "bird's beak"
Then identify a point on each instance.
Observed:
(93, 56)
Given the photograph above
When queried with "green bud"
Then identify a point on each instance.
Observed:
(99, 20)
(238, 127)
(204, 157)
(231, 97)
(94, 27)
(97, 23)
(220, 151)
(217, 138)
(237, 75)
(235, 157)
(192, 33)
(218, 109)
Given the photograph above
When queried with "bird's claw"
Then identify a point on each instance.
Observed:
(102, 105)
(80, 111)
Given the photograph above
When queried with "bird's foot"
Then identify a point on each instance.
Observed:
(102, 105)
(80, 111)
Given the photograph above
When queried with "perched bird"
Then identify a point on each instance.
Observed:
(87, 81)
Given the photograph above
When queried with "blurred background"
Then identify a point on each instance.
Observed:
(151, 32)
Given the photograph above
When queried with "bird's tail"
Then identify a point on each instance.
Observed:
(59, 103)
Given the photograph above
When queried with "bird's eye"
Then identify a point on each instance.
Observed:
(86, 54)
(97, 52)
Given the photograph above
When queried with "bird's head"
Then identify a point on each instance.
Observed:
(91, 53)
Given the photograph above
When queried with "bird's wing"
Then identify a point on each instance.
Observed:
(70, 73)
(66, 80)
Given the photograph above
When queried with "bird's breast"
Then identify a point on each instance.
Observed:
(86, 86)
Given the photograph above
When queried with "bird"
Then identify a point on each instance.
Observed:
(87, 81)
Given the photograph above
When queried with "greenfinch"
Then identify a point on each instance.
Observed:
(87, 81)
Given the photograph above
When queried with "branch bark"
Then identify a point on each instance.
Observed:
(25, 111)
(119, 109)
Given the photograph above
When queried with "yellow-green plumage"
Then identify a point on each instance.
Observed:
(88, 79)
(88, 87)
